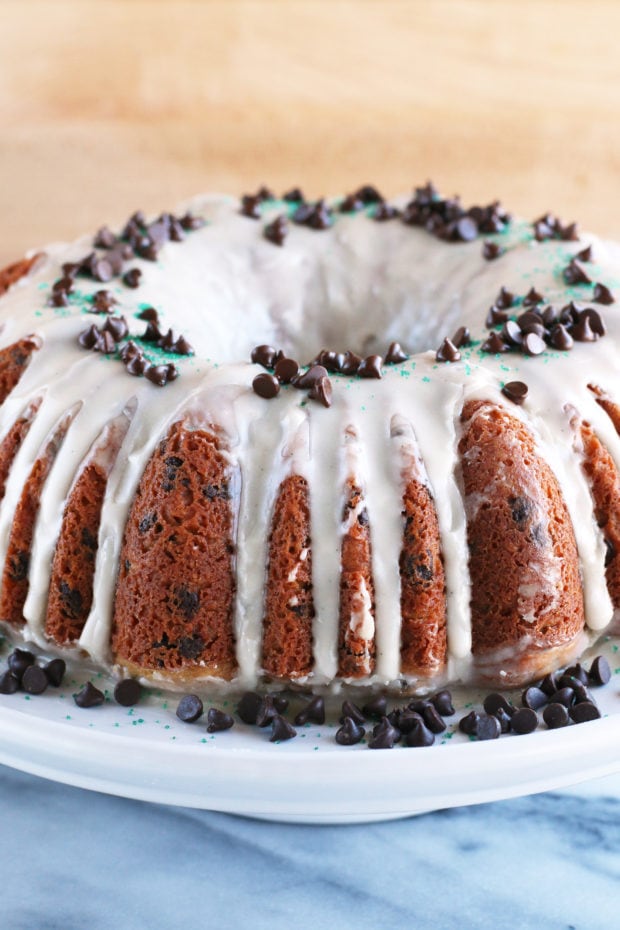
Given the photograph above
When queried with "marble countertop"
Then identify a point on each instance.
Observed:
(73, 859)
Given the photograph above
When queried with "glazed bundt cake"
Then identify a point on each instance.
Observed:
(331, 443)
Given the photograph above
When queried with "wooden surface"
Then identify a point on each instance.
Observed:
(108, 105)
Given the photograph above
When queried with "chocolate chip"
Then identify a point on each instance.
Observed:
(491, 250)
(384, 212)
(583, 712)
(160, 375)
(488, 727)
(9, 683)
(577, 671)
(19, 660)
(370, 367)
(190, 223)
(405, 719)
(511, 333)
(249, 706)
(368, 194)
(266, 711)
(89, 696)
(276, 231)
(264, 355)
(350, 732)
(313, 712)
(602, 295)
(419, 735)
(307, 379)
(395, 354)
(575, 274)
(461, 337)
(104, 239)
(55, 671)
(565, 696)
(600, 672)
(189, 708)
(524, 720)
(250, 206)
(384, 735)
(582, 330)
(443, 703)
(466, 229)
(433, 719)
(555, 716)
(351, 363)
(549, 684)
(351, 204)
(285, 370)
(504, 719)
(352, 710)
(321, 391)
(117, 327)
(561, 339)
(494, 343)
(532, 298)
(281, 730)
(376, 709)
(266, 385)
(295, 195)
(101, 269)
(595, 320)
(103, 301)
(534, 698)
(585, 255)
(505, 299)
(469, 723)
(34, 680)
(149, 314)
(533, 344)
(494, 700)
(132, 277)
(127, 692)
(516, 391)
(217, 720)
(447, 352)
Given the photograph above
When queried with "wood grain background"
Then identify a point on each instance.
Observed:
(108, 105)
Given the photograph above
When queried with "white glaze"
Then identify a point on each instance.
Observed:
(358, 285)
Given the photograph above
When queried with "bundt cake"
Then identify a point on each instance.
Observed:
(354, 442)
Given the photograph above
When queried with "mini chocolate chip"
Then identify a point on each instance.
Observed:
(117, 327)
(532, 298)
(565, 696)
(602, 295)
(447, 352)
(384, 212)
(555, 715)
(461, 337)
(491, 250)
(494, 343)
(9, 683)
(217, 720)
(350, 733)
(248, 707)
(600, 672)
(549, 684)
(384, 735)
(351, 363)
(313, 712)
(469, 723)
(190, 708)
(149, 314)
(504, 719)
(276, 231)
(585, 255)
(351, 204)
(250, 206)
(395, 354)
(161, 374)
(285, 370)
(89, 696)
(55, 671)
(266, 711)
(596, 321)
(561, 338)
(577, 671)
(19, 660)
(370, 367)
(516, 391)
(34, 680)
(405, 719)
(419, 735)
(495, 317)
(127, 692)
(368, 193)
(494, 700)
(281, 730)
(266, 385)
(582, 330)
(575, 274)
(377, 708)
(511, 333)
(309, 378)
(443, 703)
(279, 701)
(104, 239)
(351, 710)
(433, 720)
(466, 229)
(321, 391)
(505, 299)
(189, 222)
(533, 344)
(581, 713)
(132, 277)
(488, 727)
(264, 355)
(534, 698)
(295, 195)
(524, 720)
